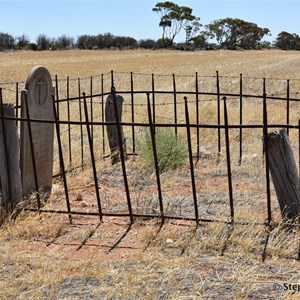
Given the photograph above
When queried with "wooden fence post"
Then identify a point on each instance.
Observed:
(10, 174)
(284, 174)
(112, 130)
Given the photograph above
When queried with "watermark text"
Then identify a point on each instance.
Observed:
(284, 287)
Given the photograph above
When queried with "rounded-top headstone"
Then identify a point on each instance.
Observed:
(39, 83)
(37, 139)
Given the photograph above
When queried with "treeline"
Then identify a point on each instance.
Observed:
(64, 42)
(225, 33)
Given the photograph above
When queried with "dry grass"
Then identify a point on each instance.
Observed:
(175, 262)
(44, 257)
(271, 63)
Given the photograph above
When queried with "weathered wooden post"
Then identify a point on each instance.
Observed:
(10, 174)
(284, 174)
(112, 130)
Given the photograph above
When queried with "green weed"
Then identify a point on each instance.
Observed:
(171, 149)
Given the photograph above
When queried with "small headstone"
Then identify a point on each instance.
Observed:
(112, 130)
(39, 93)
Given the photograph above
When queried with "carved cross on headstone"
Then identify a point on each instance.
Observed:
(41, 91)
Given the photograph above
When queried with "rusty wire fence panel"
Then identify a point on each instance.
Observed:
(192, 106)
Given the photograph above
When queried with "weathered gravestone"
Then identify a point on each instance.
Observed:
(10, 175)
(114, 139)
(38, 91)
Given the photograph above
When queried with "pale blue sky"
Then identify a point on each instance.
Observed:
(135, 17)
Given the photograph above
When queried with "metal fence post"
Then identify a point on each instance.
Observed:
(218, 113)
(61, 158)
(90, 139)
(132, 113)
(241, 120)
(155, 158)
(228, 160)
(266, 147)
(175, 102)
(188, 131)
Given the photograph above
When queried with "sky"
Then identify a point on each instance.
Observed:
(135, 18)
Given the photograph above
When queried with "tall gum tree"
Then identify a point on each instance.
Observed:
(174, 18)
(233, 33)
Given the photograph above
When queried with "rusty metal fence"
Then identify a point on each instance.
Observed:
(222, 118)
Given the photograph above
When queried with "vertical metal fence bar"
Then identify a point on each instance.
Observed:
(17, 102)
(69, 119)
(81, 126)
(228, 160)
(92, 111)
(57, 95)
(112, 78)
(36, 183)
(57, 103)
(61, 159)
(266, 147)
(155, 158)
(189, 140)
(132, 113)
(5, 147)
(197, 117)
(122, 156)
(175, 102)
(288, 105)
(102, 114)
(218, 113)
(90, 139)
(153, 99)
(241, 119)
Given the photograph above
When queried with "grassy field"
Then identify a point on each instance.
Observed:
(44, 257)
(272, 63)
